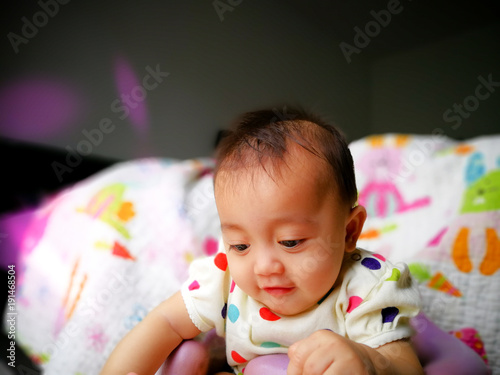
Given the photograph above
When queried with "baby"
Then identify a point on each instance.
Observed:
(288, 277)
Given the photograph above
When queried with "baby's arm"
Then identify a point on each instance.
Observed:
(144, 349)
(325, 352)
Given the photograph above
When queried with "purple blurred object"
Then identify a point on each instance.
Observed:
(191, 357)
(38, 108)
(132, 96)
(442, 353)
(19, 233)
(275, 364)
(439, 352)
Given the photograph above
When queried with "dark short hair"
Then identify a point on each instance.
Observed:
(263, 135)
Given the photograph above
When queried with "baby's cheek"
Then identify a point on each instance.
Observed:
(307, 265)
(241, 275)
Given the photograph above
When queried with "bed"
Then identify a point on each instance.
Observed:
(93, 258)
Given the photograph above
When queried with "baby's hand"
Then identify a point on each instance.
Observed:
(325, 352)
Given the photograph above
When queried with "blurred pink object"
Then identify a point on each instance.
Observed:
(38, 108)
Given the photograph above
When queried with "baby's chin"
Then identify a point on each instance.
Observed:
(284, 303)
(283, 307)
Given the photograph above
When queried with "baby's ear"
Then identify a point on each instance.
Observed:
(354, 226)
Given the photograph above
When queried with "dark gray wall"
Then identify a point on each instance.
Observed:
(222, 62)
(451, 84)
(219, 64)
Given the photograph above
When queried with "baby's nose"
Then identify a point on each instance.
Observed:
(268, 263)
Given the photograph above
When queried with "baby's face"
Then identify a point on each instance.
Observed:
(285, 239)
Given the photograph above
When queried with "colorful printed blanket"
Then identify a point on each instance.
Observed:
(435, 204)
(101, 254)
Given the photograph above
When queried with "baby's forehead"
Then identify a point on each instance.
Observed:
(250, 169)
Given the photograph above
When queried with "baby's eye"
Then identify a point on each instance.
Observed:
(239, 247)
(290, 243)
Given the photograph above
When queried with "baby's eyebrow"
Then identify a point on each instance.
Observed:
(229, 226)
(278, 221)
(294, 220)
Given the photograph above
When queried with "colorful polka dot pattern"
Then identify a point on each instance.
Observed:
(237, 357)
(270, 344)
(231, 312)
(369, 262)
(267, 314)
(389, 314)
(220, 261)
(395, 276)
(378, 256)
(194, 285)
(373, 263)
(354, 302)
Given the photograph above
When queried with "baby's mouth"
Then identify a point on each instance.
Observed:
(278, 291)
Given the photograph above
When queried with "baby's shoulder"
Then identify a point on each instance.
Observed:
(364, 270)
(365, 261)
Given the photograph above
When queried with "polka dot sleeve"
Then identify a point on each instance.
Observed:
(379, 299)
(205, 292)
